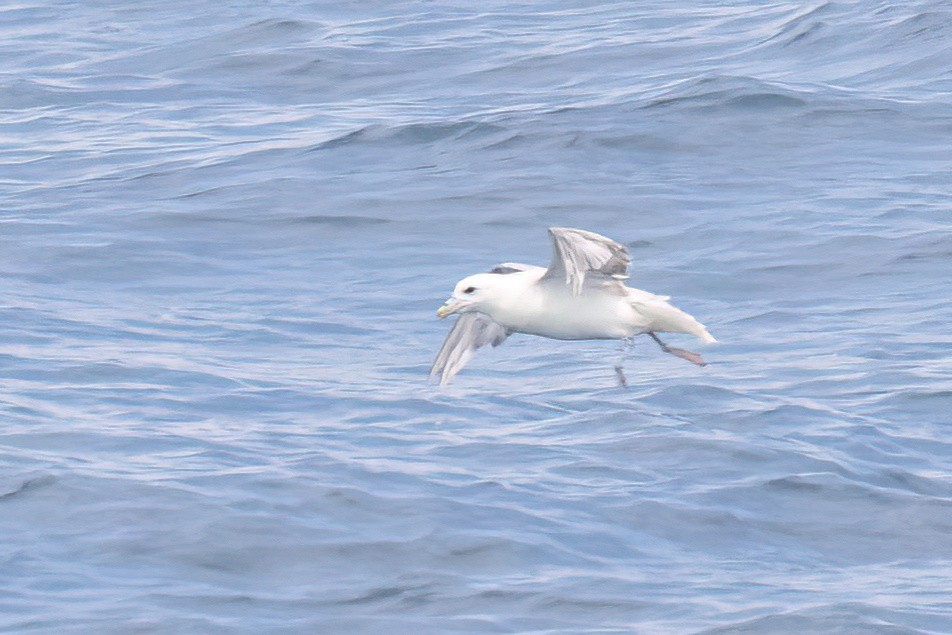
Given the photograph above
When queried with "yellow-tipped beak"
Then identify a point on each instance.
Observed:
(450, 307)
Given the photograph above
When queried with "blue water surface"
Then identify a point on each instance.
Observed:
(225, 228)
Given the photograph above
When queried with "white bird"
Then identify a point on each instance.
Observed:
(580, 296)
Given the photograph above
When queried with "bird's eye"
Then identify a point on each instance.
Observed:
(469, 289)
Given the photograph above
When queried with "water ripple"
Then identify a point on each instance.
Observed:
(225, 232)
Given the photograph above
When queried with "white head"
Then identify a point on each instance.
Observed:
(474, 293)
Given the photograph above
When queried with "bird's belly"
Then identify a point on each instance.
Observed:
(581, 332)
(571, 318)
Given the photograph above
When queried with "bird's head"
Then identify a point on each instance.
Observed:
(473, 293)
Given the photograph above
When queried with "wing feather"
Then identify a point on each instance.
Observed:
(471, 331)
(577, 253)
(512, 267)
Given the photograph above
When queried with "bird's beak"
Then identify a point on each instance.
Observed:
(449, 308)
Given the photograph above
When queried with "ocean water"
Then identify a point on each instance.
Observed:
(224, 231)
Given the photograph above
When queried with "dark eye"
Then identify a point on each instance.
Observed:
(469, 289)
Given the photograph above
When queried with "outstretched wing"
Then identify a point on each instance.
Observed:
(471, 332)
(577, 253)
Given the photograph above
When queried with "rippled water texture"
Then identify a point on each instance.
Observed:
(224, 231)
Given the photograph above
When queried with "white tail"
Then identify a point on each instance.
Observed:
(665, 318)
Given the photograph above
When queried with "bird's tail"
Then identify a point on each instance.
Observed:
(703, 334)
(691, 326)
(665, 318)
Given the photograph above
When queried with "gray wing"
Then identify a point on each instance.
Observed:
(471, 331)
(512, 267)
(577, 253)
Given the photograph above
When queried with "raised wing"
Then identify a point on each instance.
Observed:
(577, 253)
(471, 332)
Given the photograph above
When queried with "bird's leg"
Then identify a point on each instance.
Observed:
(694, 358)
(619, 367)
